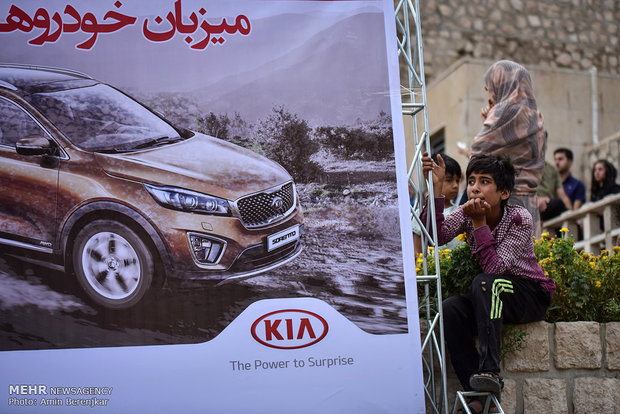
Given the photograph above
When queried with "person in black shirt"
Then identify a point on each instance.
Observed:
(604, 183)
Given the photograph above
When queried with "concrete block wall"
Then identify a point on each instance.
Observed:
(565, 367)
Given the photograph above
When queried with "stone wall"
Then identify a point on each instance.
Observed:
(575, 34)
(565, 367)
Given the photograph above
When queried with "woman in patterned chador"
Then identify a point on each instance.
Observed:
(513, 127)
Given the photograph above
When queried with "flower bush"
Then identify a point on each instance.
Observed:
(587, 285)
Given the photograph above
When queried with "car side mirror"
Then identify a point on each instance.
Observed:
(34, 146)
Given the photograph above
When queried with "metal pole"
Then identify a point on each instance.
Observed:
(594, 99)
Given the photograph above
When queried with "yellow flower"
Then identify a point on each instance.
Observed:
(616, 248)
(461, 237)
(544, 235)
(592, 264)
(598, 284)
(563, 230)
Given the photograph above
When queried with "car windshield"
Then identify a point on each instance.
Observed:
(97, 117)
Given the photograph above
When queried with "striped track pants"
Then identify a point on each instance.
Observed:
(492, 300)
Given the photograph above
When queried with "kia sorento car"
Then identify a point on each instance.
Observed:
(96, 184)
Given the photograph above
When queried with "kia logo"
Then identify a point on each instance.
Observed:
(289, 329)
(277, 203)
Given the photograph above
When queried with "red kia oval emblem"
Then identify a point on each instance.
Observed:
(289, 329)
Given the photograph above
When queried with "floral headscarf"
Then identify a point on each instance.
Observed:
(513, 126)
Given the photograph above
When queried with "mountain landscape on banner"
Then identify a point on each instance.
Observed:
(328, 79)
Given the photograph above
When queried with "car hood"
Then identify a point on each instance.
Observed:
(201, 163)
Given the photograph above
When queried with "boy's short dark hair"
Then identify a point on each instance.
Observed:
(565, 151)
(452, 166)
(500, 168)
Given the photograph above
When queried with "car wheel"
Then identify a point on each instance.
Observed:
(112, 264)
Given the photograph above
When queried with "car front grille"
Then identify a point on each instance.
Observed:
(265, 207)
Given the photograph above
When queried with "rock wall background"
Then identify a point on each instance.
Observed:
(574, 34)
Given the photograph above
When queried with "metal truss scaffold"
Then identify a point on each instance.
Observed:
(414, 105)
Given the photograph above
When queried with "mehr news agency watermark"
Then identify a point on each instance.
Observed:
(28, 395)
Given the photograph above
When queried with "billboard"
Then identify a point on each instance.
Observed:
(204, 209)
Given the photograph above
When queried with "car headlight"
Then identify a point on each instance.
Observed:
(190, 201)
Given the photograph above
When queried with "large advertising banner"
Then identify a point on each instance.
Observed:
(204, 208)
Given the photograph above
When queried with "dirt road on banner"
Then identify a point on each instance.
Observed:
(351, 260)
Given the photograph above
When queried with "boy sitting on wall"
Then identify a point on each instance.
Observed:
(513, 287)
